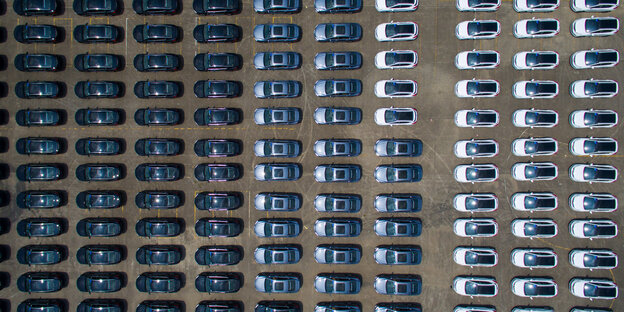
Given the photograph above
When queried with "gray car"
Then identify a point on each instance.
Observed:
(398, 254)
(398, 227)
(277, 6)
(277, 254)
(398, 147)
(277, 33)
(398, 284)
(338, 87)
(278, 282)
(395, 202)
(338, 115)
(338, 227)
(337, 147)
(338, 203)
(277, 172)
(338, 173)
(277, 148)
(398, 173)
(333, 32)
(337, 254)
(338, 6)
(277, 89)
(277, 228)
(338, 60)
(277, 116)
(277, 60)
(277, 201)
(338, 283)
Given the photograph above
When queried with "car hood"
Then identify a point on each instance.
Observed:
(258, 32)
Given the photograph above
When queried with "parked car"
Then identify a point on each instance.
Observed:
(100, 282)
(215, 201)
(595, 27)
(337, 227)
(100, 172)
(41, 227)
(217, 148)
(477, 59)
(100, 254)
(155, 7)
(276, 6)
(478, 29)
(35, 145)
(536, 28)
(213, 7)
(396, 88)
(41, 254)
(338, 173)
(101, 227)
(36, 8)
(398, 284)
(396, 31)
(37, 62)
(97, 33)
(338, 283)
(475, 202)
(476, 118)
(338, 60)
(206, 33)
(540, 171)
(218, 282)
(535, 5)
(158, 116)
(217, 116)
(475, 256)
(98, 62)
(476, 148)
(398, 227)
(52, 305)
(593, 288)
(333, 202)
(478, 5)
(97, 7)
(277, 148)
(475, 227)
(534, 201)
(40, 199)
(277, 172)
(219, 227)
(593, 202)
(39, 89)
(593, 146)
(538, 258)
(594, 6)
(218, 255)
(477, 88)
(476, 173)
(535, 60)
(396, 5)
(274, 201)
(277, 228)
(337, 254)
(335, 306)
(337, 115)
(534, 228)
(98, 147)
(159, 254)
(593, 228)
(217, 89)
(534, 147)
(398, 254)
(398, 173)
(535, 89)
(158, 199)
(277, 33)
(590, 118)
(158, 172)
(156, 62)
(337, 147)
(276, 306)
(159, 227)
(396, 59)
(337, 87)
(277, 60)
(39, 33)
(158, 147)
(594, 58)
(337, 32)
(160, 282)
(593, 88)
(593, 173)
(218, 172)
(113, 305)
(100, 199)
(159, 305)
(391, 116)
(538, 118)
(601, 259)
(217, 61)
(278, 282)
(40, 172)
(475, 286)
(398, 202)
(157, 89)
(98, 89)
(398, 147)
(42, 282)
(277, 89)
(277, 254)
(531, 287)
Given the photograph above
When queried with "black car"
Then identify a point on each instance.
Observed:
(98, 89)
(217, 61)
(154, 33)
(215, 201)
(160, 254)
(338, 306)
(41, 254)
(217, 89)
(41, 227)
(338, 6)
(217, 33)
(158, 147)
(218, 172)
(99, 199)
(48, 305)
(157, 89)
(159, 227)
(39, 146)
(399, 306)
(160, 306)
(38, 89)
(101, 282)
(218, 255)
(99, 172)
(41, 33)
(158, 199)
(160, 282)
(40, 172)
(109, 305)
(217, 148)
(278, 306)
(215, 306)
(158, 172)
(156, 7)
(100, 227)
(158, 116)
(151, 62)
(36, 7)
(98, 62)
(97, 7)
(42, 282)
(216, 6)
(27, 62)
(219, 227)
(217, 116)
(40, 200)
(100, 254)
(97, 33)
(219, 282)
(99, 116)
(97, 146)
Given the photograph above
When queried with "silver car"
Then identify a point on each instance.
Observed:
(338, 147)
(277, 89)
(277, 172)
(277, 201)
(337, 203)
(277, 116)
(277, 148)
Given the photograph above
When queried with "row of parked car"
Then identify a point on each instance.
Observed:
(536, 201)
(537, 89)
(532, 60)
(537, 5)
(536, 228)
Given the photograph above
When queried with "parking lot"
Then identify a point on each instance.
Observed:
(436, 103)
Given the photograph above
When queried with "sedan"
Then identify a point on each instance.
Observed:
(206, 33)
(277, 201)
(475, 148)
(535, 5)
(155, 7)
(277, 89)
(534, 258)
(337, 6)
(391, 116)
(398, 202)
(39, 146)
(277, 228)
(477, 88)
(475, 256)
(397, 227)
(601, 259)
(40, 200)
(41, 254)
(338, 148)
(593, 228)
(159, 227)
(396, 5)
(277, 60)
(39, 89)
(398, 147)
(477, 5)
(218, 172)
(100, 254)
(159, 282)
(338, 283)
(159, 254)
(535, 89)
(536, 28)
(100, 227)
(338, 87)
(277, 306)
(337, 115)
(97, 7)
(338, 227)
(593, 202)
(478, 29)
(27, 62)
(534, 147)
(590, 118)
(595, 27)
(158, 147)
(338, 173)
(338, 60)
(337, 32)
(398, 173)
(217, 61)
(534, 228)
(277, 148)
(158, 199)
(98, 62)
(593, 173)
(539, 201)
(475, 286)
(476, 118)
(100, 199)
(35, 8)
(396, 59)
(274, 282)
(277, 172)
(396, 31)
(277, 33)
(534, 287)
(52, 305)
(276, 6)
(98, 89)
(158, 172)
(159, 305)
(97, 33)
(475, 202)
(475, 227)
(398, 254)
(396, 88)
(594, 58)
(41, 33)
(100, 172)
(277, 254)
(40, 172)
(156, 33)
(337, 254)
(593, 88)
(215, 201)
(158, 116)
(594, 5)
(217, 116)
(398, 284)
(593, 288)
(337, 203)
(541, 171)
(218, 227)
(476, 173)
(156, 62)
(100, 282)
(42, 282)
(477, 59)
(277, 116)
(214, 7)
(217, 148)
(535, 60)
(535, 118)
(593, 146)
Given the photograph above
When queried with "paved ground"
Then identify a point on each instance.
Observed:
(436, 106)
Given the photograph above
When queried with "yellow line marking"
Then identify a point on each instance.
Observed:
(553, 245)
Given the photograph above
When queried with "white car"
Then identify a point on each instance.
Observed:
(595, 26)
(593, 288)
(396, 116)
(541, 171)
(590, 118)
(475, 227)
(594, 88)
(475, 286)
(476, 118)
(475, 202)
(591, 173)
(396, 5)
(534, 228)
(532, 60)
(478, 29)
(396, 88)
(474, 308)
(475, 256)
(534, 258)
(594, 5)
(476, 148)
(535, 89)
(536, 28)
(601, 259)
(396, 31)
(477, 59)
(593, 202)
(478, 5)
(535, 5)
(535, 118)
(477, 88)
(534, 147)
(593, 146)
(594, 58)
(593, 228)
(530, 201)
(396, 59)
(476, 173)
(534, 287)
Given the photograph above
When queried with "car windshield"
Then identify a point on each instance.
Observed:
(597, 203)
(393, 87)
(473, 257)
(476, 288)
(476, 58)
(539, 171)
(102, 200)
(540, 88)
(482, 3)
(536, 228)
(592, 146)
(473, 173)
(395, 58)
(475, 87)
(596, 88)
(217, 31)
(600, 3)
(541, 3)
(539, 201)
(597, 289)
(400, 29)
(476, 118)
(541, 59)
(38, 31)
(399, 3)
(160, 284)
(218, 148)
(539, 259)
(601, 24)
(97, 31)
(482, 28)
(397, 203)
(594, 260)
(97, 61)
(533, 118)
(597, 58)
(541, 26)
(157, 60)
(537, 288)
(599, 118)
(534, 146)
(159, 228)
(398, 116)
(480, 148)
(593, 173)
(474, 202)
(476, 228)
(595, 229)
